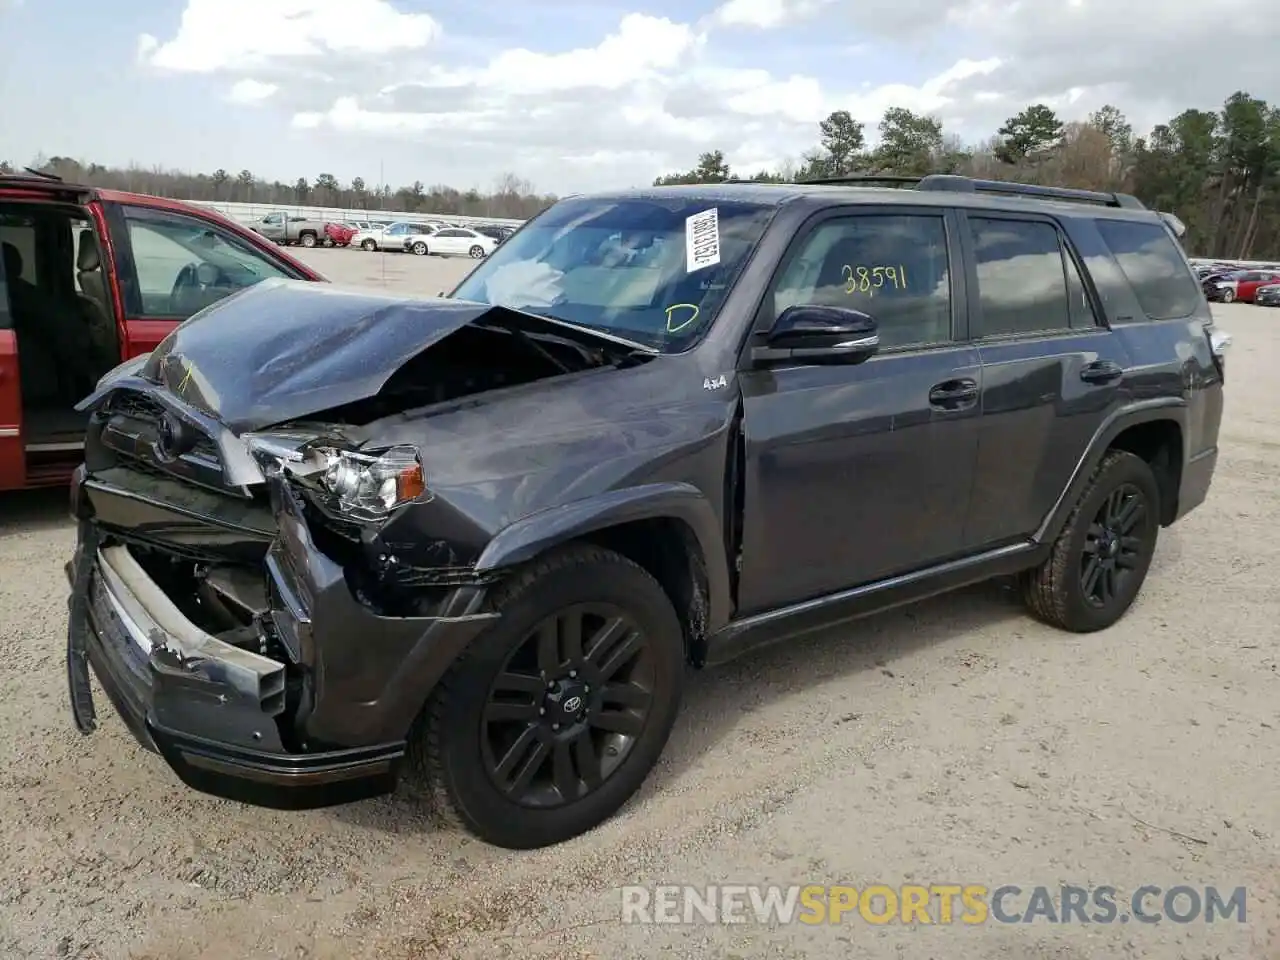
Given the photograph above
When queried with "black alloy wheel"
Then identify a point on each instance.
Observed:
(553, 717)
(568, 706)
(1113, 546)
(1099, 560)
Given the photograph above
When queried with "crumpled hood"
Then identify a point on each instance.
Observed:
(285, 349)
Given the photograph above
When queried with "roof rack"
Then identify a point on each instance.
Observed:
(958, 184)
(862, 178)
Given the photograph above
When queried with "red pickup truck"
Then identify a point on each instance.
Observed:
(88, 279)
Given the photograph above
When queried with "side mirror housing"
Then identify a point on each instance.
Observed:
(810, 333)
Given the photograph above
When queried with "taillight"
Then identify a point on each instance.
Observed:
(1219, 343)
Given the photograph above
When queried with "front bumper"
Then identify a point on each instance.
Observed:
(221, 716)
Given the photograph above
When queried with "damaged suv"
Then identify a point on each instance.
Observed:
(329, 539)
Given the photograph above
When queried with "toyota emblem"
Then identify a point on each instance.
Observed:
(173, 439)
(572, 705)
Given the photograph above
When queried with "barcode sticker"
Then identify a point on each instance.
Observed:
(702, 239)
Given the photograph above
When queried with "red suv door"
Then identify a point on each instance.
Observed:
(172, 260)
(12, 456)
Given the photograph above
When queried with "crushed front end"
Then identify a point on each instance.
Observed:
(237, 601)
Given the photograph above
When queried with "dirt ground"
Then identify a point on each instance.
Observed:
(954, 742)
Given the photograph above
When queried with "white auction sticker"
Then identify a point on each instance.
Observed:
(702, 239)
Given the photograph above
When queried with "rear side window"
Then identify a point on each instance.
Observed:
(1154, 267)
(1022, 279)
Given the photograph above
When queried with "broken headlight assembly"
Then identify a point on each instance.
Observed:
(368, 486)
(358, 484)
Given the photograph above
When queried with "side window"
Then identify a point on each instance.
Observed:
(891, 266)
(274, 219)
(1083, 316)
(18, 233)
(184, 264)
(1022, 282)
(6, 322)
(1154, 267)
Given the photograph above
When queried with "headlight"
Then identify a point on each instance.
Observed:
(369, 486)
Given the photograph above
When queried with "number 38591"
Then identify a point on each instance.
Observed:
(870, 279)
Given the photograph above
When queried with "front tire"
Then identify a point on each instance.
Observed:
(1101, 557)
(369, 245)
(1228, 296)
(554, 717)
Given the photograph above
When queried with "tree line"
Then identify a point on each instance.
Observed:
(1218, 171)
(510, 196)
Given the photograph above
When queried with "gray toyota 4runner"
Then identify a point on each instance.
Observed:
(330, 537)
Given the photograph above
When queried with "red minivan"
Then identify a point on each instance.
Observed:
(90, 278)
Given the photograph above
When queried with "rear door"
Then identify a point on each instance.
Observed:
(171, 264)
(1051, 370)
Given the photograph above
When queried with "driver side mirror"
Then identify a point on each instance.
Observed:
(809, 333)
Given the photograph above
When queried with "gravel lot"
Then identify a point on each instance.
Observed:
(956, 741)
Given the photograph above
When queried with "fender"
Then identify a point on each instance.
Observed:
(1142, 411)
(538, 532)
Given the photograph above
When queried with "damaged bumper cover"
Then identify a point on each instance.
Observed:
(222, 716)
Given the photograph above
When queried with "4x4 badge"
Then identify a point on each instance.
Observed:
(715, 383)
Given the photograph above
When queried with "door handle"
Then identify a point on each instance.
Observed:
(1102, 371)
(954, 394)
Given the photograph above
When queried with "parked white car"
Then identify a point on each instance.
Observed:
(390, 237)
(458, 242)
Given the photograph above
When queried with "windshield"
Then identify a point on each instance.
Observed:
(652, 270)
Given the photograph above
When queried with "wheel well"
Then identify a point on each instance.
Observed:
(669, 551)
(1159, 443)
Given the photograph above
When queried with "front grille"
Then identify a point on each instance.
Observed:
(133, 421)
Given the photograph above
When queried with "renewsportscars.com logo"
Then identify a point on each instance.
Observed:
(942, 904)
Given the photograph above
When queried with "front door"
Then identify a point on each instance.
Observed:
(1051, 371)
(449, 241)
(172, 264)
(857, 473)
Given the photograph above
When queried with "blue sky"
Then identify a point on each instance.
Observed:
(573, 94)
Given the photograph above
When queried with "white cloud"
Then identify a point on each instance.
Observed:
(765, 14)
(251, 91)
(216, 35)
(655, 91)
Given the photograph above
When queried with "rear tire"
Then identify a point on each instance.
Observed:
(477, 252)
(1228, 296)
(1099, 561)
(307, 239)
(420, 248)
(613, 695)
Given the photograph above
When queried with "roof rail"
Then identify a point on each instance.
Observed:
(42, 174)
(959, 184)
(869, 179)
